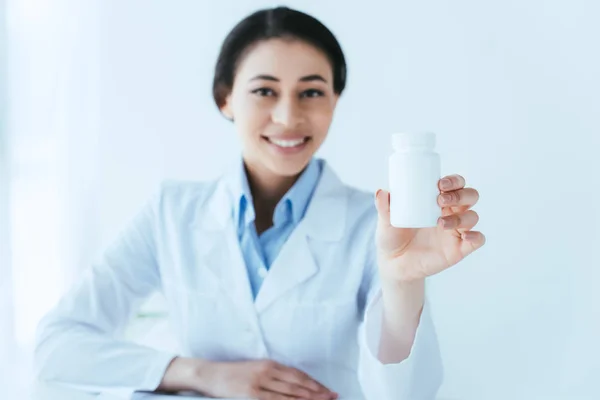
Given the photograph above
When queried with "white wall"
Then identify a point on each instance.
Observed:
(51, 132)
(511, 89)
(6, 310)
(48, 163)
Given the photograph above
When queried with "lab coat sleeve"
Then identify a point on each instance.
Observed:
(419, 376)
(79, 343)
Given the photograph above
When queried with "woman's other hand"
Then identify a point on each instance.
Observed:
(261, 380)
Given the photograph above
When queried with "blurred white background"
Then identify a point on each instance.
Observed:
(106, 98)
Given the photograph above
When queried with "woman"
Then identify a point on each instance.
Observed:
(281, 281)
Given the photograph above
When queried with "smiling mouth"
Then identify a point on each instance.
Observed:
(287, 143)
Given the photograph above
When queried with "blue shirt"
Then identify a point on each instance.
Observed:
(259, 251)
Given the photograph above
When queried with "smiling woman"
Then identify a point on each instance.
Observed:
(271, 271)
(279, 75)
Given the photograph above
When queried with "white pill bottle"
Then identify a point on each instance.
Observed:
(414, 172)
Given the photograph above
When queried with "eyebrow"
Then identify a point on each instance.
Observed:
(307, 78)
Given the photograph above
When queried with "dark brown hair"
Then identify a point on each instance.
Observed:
(280, 22)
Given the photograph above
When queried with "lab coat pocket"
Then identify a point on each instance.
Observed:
(199, 313)
(306, 332)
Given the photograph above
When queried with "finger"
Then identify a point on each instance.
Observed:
(466, 221)
(451, 182)
(472, 240)
(289, 389)
(295, 376)
(463, 197)
(269, 395)
(382, 203)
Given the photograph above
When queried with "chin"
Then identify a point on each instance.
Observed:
(288, 167)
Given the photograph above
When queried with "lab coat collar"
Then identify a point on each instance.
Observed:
(218, 244)
(324, 219)
(292, 206)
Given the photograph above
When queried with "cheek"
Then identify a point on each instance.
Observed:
(250, 116)
(321, 117)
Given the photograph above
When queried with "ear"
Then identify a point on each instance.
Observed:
(226, 108)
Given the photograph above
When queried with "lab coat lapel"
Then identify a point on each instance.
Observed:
(294, 265)
(220, 250)
(297, 262)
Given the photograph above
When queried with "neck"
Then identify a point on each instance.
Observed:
(268, 187)
(267, 190)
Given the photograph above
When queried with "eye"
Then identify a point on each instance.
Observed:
(264, 92)
(312, 93)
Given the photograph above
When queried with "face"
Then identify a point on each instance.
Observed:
(282, 104)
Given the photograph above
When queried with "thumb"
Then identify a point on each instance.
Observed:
(382, 203)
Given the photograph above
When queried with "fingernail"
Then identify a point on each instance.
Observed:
(377, 193)
(446, 198)
(446, 183)
(446, 223)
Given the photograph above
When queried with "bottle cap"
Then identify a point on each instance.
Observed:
(405, 140)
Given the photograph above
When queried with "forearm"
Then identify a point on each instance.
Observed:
(402, 307)
(186, 374)
(97, 362)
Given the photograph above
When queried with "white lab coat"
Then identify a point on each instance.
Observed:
(319, 308)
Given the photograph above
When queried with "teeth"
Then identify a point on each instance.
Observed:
(287, 143)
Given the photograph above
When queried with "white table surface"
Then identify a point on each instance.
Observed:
(45, 391)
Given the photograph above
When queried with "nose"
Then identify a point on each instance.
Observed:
(287, 112)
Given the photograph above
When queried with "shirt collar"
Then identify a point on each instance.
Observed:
(301, 192)
(293, 204)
